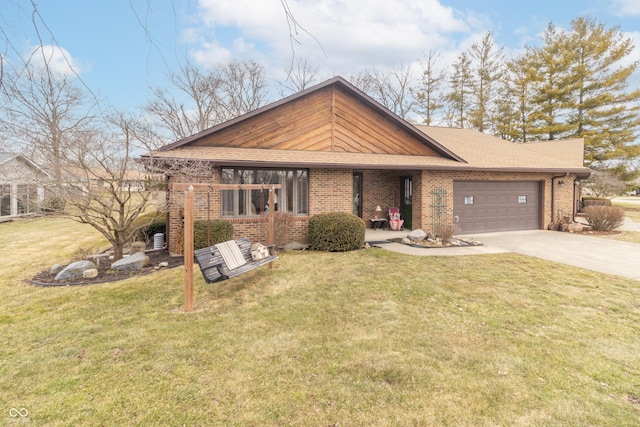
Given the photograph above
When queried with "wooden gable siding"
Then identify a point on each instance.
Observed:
(325, 120)
(361, 129)
(302, 124)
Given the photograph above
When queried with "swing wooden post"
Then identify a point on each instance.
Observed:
(188, 250)
(189, 219)
(271, 230)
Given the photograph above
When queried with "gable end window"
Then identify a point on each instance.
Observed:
(292, 197)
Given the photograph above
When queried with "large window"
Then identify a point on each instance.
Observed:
(27, 199)
(292, 197)
(5, 199)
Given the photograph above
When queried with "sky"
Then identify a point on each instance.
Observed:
(123, 48)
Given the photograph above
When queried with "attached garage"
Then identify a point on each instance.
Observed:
(487, 206)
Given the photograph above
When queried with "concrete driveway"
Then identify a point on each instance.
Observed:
(584, 251)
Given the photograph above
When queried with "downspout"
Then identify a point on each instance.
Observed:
(576, 183)
(166, 211)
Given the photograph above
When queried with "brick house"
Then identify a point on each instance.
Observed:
(333, 148)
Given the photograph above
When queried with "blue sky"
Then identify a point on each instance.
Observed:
(121, 48)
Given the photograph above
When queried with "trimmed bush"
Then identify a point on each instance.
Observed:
(336, 232)
(604, 218)
(595, 201)
(53, 204)
(219, 229)
(149, 224)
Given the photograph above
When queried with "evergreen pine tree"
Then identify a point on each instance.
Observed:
(461, 90)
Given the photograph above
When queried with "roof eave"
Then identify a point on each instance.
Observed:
(580, 172)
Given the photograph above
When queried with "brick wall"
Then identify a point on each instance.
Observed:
(331, 190)
(379, 188)
(428, 181)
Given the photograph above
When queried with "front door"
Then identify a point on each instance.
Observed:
(357, 194)
(406, 198)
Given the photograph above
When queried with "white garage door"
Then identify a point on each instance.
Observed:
(486, 206)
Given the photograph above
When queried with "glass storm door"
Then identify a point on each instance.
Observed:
(357, 194)
(406, 197)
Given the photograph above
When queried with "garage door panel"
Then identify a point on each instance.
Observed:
(497, 205)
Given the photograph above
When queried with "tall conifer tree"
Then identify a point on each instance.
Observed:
(461, 86)
(602, 110)
(487, 69)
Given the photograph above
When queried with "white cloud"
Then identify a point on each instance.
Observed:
(57, 59)
(354, 34)
(626, 7)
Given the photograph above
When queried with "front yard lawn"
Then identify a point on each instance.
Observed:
(367, 337)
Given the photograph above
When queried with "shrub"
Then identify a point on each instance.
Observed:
(336, 232)
(53, 204)
(445, 231)
(219, 231)
(595, 201)
(604, 218)
(283, 222)
(148, 225)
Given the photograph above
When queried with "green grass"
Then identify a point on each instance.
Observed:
(367, 337)
(629, 203)
(631, 206)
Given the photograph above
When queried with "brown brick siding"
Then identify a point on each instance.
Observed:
(330, 190)
(432, 180)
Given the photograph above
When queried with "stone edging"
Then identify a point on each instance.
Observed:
(97, 282)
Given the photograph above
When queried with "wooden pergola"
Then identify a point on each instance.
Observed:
(189, 190)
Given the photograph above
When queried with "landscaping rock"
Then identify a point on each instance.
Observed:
(137, 247)
(55, 269)
(406, 240)
(577, 227)
(163, 264)
(295, 246)
(74, 270)
(90, 273)
(132, 262)
(417, 235)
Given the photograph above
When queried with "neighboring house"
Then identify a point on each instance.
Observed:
(97, 179)
(333, 148)
(21, 186)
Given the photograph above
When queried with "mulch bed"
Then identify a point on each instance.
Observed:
(105, 274)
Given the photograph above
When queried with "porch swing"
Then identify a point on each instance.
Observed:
(232, 258)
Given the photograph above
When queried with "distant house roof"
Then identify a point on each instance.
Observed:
(6, 157)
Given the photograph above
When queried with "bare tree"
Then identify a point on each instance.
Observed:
(243, 87)
(605, 184)
(204, 99)
(197, 107)
(44, 111)
(99, 176)
(393, 90)
(300, 75)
